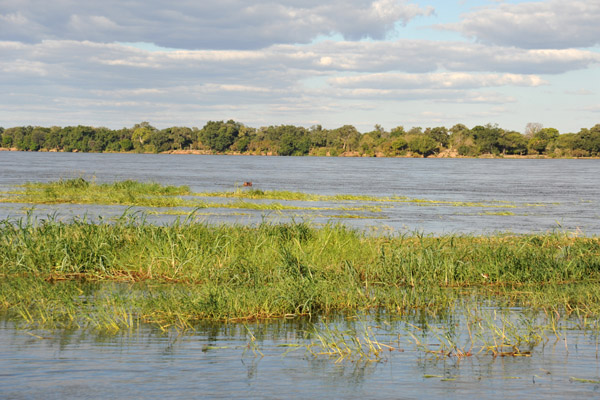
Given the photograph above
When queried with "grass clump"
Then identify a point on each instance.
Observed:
(82, 191)
(133, 193)
(232, 272)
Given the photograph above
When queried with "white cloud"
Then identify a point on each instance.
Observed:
(24, 68)
(226, 24)
(580, 92)
(594, 108)
(401, 70)
(553, 24)
(86, 23)
(94, 66)
(447, 80)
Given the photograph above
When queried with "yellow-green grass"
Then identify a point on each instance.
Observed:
(300, 196)
(133, 193)
(154, 195)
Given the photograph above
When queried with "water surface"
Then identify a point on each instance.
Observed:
(215, 362)
(520, 196)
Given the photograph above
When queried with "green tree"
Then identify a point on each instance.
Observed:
(512, 143)
(181, 137)
(439, 134)
(542, 139)
(125, 144)
(423, 144)
(37, 138)
(588, 140)
(349, 137)
(219, 135)
(487, 138)
(141, 134)
(397, 131)
(293, 140)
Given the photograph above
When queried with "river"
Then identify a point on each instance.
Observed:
(480, 196)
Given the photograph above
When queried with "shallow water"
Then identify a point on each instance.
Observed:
(215, 361)
(541, 195)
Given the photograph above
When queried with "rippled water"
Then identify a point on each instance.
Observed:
(215, 362)
(538, 195)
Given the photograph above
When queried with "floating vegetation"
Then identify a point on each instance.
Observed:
(299, 196)
(82, 191)
(506, 213)
(153, 195)
(581, 380)
(157, 199)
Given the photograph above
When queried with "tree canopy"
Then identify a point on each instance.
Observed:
(290, 140)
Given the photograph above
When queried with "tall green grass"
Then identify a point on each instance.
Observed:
(272, 270)
(197, 251)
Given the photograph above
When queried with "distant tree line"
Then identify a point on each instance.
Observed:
(288, 140)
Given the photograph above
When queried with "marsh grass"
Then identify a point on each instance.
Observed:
(82, 191)
(153, 195)
(133, 193)
(300, 196)
(356, 343)
(233, 272)
(112, 276)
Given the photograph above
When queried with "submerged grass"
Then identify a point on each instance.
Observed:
(133, 193)
(300, 196)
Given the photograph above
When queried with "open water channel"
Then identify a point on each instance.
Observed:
(270, 359)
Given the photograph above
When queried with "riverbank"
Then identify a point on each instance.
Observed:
(444, 154)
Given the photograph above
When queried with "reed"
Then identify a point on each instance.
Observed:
(189, 271)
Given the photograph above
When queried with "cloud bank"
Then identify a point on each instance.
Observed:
(555, 24)
(226, 24)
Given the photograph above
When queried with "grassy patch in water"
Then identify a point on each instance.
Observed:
(133, 193)
(154, 195)
(300, 196)
(82, 191)
(502, 213)
(195, 271)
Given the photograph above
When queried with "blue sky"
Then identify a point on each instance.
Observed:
(302, 62)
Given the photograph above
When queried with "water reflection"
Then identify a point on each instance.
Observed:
(213, 361)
